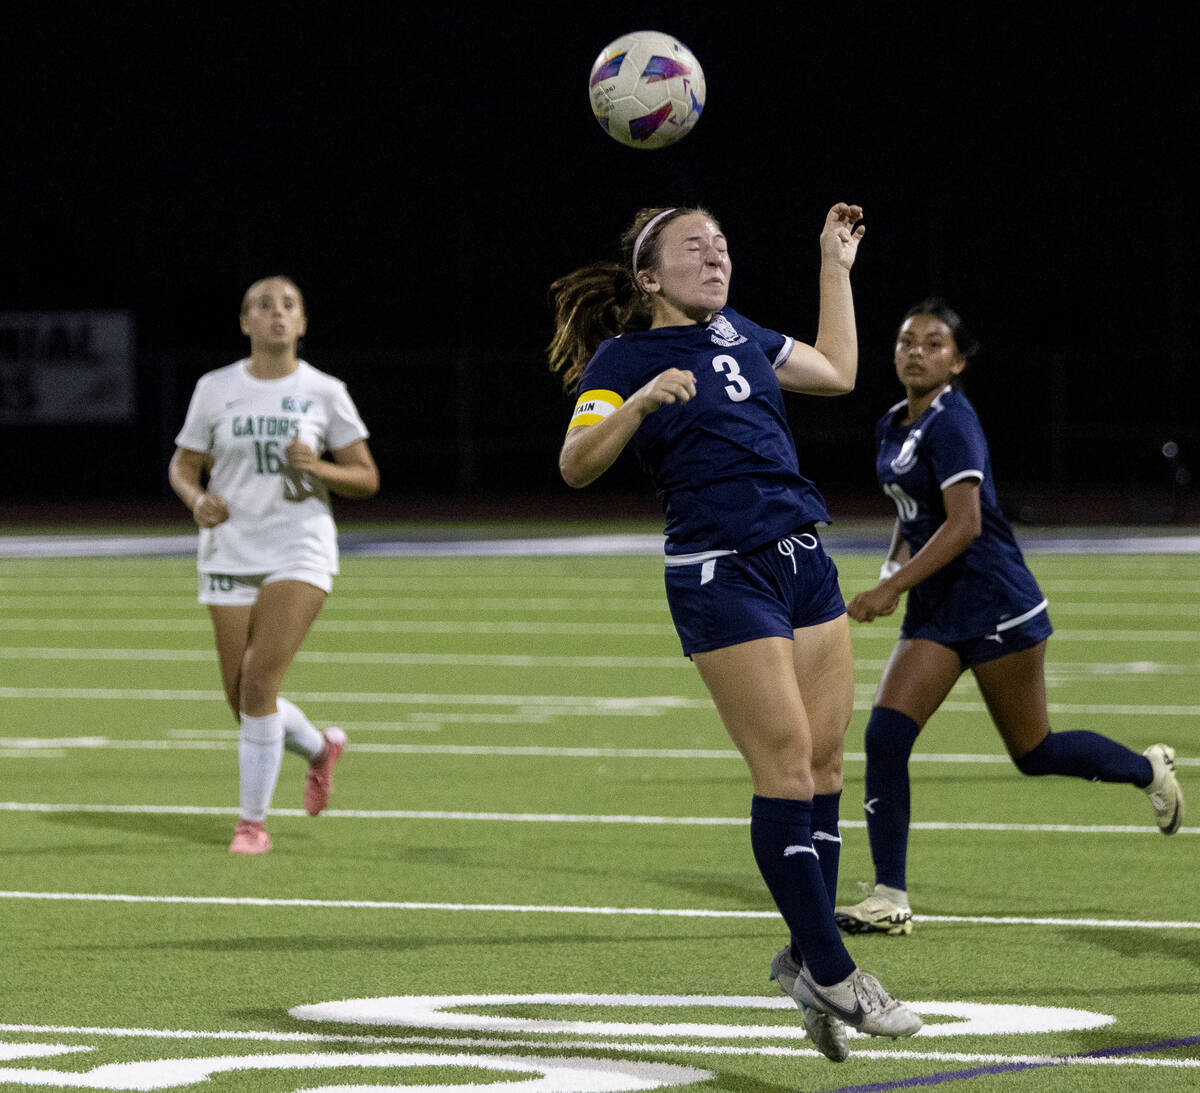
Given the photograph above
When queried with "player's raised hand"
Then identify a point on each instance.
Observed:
(841, 234)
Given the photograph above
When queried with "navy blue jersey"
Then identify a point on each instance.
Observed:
(724, 463)
(988, 584)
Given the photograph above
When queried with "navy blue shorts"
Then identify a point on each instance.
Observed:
(1004, 639)
(768, 592)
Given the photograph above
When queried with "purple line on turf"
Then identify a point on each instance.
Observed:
(938, 1079)
(1009, 1068)
(1138, 1049)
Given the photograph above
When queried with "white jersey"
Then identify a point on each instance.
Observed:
(278, 516)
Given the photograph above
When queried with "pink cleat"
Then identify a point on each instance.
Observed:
(319, 782)
(250, 837)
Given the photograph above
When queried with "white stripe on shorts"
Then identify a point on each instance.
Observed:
(1008, 624)
(696, 559)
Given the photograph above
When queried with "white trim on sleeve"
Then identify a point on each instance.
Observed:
(960, 476)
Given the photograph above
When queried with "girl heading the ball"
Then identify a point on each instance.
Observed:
(661, 365)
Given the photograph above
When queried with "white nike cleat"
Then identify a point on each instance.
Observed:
(827, 1033)
(884, 911)
(1163, 791)
(858, 1000)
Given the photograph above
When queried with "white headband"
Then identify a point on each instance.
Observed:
(637, 246)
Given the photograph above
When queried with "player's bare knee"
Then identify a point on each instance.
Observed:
(795, 783)
(827, 761)
(827, 778)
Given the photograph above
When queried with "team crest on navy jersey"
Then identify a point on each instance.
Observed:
(907, 455)
(722, 332)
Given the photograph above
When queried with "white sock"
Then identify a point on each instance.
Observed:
(260, 754)
(299, 734)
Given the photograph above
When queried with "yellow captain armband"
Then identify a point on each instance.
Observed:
(593, 406)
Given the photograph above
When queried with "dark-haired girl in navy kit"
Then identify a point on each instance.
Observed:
(661, 365)
(972, 603)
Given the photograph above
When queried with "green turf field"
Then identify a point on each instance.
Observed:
(535, 873)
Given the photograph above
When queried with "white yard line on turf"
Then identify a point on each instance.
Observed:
(631, 704)
(1123, 672)
(626, 703)
(616, 1045)
(565, 909)
(541, 628)
(562, 818)
(591, 628)
(1057, 671)
(223, 739)
(359, 626)
(367, 602)
(438, 660)
(648, 543)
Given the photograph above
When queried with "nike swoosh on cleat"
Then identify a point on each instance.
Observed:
(852, 1017)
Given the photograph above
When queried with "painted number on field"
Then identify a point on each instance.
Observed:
(545, 1075)
(515, 1073)
(441, 1012)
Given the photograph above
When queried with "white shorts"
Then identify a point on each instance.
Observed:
(241, 589)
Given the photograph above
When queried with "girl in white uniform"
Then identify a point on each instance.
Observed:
(248, 463)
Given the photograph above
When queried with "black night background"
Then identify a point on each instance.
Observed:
(424, 175)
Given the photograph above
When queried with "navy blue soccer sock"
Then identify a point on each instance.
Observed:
(827, 839)
(1083, 754)
(781, 837)
(889, 742)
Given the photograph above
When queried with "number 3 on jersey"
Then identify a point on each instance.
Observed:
(738, 387)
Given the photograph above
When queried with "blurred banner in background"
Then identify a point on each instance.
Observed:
(67, 366)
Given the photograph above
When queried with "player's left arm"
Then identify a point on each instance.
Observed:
(350, 473)
(830, 365)
(962, 526)
(898, 553)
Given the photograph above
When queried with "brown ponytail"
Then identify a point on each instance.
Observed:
(591, 304)
(602, 300)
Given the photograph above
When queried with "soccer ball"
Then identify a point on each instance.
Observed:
(647, 89)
